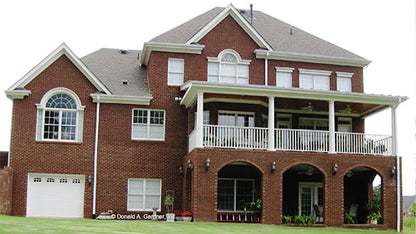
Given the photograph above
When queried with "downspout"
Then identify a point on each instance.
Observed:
(94, 188)
(266, 70)
(11, 130)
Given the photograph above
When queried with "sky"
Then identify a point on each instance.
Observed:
(382, 31)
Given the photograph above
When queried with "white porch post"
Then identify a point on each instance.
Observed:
(398, 169)
(270, 125)
(199, 119)
(331, 110)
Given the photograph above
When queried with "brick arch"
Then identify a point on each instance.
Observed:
(361, 165)
(304, 163)
(252, 163)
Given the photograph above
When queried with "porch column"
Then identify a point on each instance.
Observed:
(270, 125)
(199, 119)
(398, 169)
(331, 117)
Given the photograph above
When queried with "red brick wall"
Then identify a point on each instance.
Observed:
(30, 156)
(204, 183)
(6, 191)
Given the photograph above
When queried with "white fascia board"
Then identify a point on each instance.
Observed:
(63, 49)
(17, 94)
(233, 12)
(192, 87)
(299, 57)
(149, 47)
(120, 99)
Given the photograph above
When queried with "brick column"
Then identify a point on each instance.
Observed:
(334, 200)
(272, 196)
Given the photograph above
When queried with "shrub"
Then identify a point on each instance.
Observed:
(287, 219)
(348, 219)
(177, 212)
(186, 213)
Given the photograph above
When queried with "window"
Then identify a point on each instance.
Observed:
(229, 68)
(313, 124)
(63, 180)
(310, 194)
(148, 124)
(37, 180)
(344, 83)
(144, 194)
(50, 180)
(344, 124)
(175, 71)
(60, 116)
(229, 118)
(284, 77)
(314, 79)
(235, 194)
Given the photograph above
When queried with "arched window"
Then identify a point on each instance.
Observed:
(60, 116)
(228, 67)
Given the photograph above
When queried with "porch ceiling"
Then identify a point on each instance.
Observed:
(290, 99)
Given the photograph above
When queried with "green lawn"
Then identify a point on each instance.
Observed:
(9, 224)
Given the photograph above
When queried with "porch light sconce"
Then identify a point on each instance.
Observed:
(207, 164)
(393, 171)
(89, 180)
(273, 166)
(180, 170)
(189, 164)
(335, 169)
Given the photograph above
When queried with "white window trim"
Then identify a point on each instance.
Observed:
(144, 195)
(315, 72)
(41, 108)
(344, 75)
(315, 186)
(182, 73)
(148, 125)
(235, 190)
(239, 62)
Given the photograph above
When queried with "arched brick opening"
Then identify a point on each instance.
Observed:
(303, 192)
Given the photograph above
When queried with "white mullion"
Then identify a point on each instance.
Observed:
(236, 73)
(148, 125)
(143, 195)
(60, 125)
(42, 137)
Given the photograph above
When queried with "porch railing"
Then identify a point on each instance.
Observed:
(359, 143)
(292, 140)
(302, 140)
(235, 137)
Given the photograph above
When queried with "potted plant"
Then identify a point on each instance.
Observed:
(170, 217)
(373, 216)
(178, 215)
(287, 219)
(255, 206)
(186, 216)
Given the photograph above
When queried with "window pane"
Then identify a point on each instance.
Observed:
(135, 202)
(152, 202)
(156, 117)
(344, 84)
(244, 193)
(156, 132)
(139, 131)
(284, 79)
(152, 187)
(226, 194)
(61, 101)
(225, 119)
(176, 65)
(229, 58)
(51, 125)
(321, 82)
(242, 74)
(136, 187)
(305, 81)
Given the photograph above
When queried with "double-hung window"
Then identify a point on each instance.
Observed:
(344, 83)
(175, 71)
(60, 116)
(148, 124)
(144, 194)
(284, 77)
(228, 68)
(314, 79)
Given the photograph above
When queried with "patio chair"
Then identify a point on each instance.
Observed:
(318, 214)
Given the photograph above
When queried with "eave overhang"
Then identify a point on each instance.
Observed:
(17, 93)
(309, 58)
(121, 99)
(149, 47)
(192, 88)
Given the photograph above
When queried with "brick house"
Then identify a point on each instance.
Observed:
(220, 111)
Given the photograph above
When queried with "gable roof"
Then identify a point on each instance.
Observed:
(17, 90)
(283, 41)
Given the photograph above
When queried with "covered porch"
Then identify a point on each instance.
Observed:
(286, 119)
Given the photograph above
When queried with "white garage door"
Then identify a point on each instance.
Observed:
(55, 196)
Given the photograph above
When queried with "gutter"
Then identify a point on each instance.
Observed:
(94, 191)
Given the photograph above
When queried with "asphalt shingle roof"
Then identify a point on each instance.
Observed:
(275, 32)
(112, 68)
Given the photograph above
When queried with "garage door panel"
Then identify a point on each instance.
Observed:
(55, 196)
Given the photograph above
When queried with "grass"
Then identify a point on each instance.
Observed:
(10, 224)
